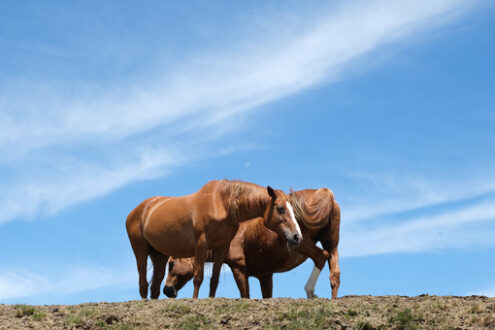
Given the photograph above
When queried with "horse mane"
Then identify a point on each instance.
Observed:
(314, 212)
(243, 198)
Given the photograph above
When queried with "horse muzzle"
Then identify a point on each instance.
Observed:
(293, 240)
(170, 291)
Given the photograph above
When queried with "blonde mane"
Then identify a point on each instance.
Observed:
(241, 197)
(297, 203)
(315, 212)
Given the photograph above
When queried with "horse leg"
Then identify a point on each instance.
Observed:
(199, 263)
(330, 241)
(241, 279)
(334, 271)
(319, 257)
(159, 264)
(333, 264)
(219, 257)
(266, 284)
(141, 250)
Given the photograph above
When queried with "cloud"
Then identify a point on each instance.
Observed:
(82, 123)
(18, 283)
(425, 233)
(394, 194)
(222, 83)
(74, 181)
(15, 284)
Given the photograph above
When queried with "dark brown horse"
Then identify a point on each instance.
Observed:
(256, 251)
(188, 226)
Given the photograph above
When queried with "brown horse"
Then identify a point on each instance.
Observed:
(256, 251)
(188, 226)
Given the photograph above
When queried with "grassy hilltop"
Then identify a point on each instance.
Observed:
(351, 312)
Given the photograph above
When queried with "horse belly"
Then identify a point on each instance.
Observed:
(272, 258)
(266, 260)
(293, 261)
(220, 233)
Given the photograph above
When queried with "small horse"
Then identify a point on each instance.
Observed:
(188, 226)
(256, 251)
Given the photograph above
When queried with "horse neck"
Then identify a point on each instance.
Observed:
(253, 207)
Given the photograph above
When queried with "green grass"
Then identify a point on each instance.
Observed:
(125, 326)
(38, 315)
(403, 319)
(176, 308)
(102, 325)
(194, 321)
(241, 306)
(353, 313)
(350, 313)
(364, 325)
(83, 315)
(475, 308)
(26, 310)
(302, 317)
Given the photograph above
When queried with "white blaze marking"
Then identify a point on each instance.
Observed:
(291, 211)
(310, 285)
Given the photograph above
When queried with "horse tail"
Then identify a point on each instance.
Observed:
(140, 246)
(316, 211)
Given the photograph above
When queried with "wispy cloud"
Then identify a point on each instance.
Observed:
(17, 284)
(59, 120)
(73, 181)
(413, 213)
(425, 233)
(392, 194)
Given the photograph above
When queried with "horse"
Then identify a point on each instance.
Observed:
(256, 251)
(187, 226)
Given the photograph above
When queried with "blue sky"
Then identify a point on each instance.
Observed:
(389, 104)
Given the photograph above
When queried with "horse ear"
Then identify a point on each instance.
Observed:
(271, 192)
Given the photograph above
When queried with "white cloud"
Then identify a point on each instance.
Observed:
(389, 194)
(222, 83)
(17, 284)
(20, 283)
(78, 181)
(204, 94)
(426, 233)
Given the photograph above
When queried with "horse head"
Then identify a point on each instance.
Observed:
(279, 217)
(180, 271)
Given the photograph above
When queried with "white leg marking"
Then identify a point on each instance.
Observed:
(291, 211)
(310, 285)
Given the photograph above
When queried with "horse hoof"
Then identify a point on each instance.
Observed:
(311, 295)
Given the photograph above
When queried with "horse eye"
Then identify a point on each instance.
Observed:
(280, 209)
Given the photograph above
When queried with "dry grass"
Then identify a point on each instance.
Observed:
(356, 312)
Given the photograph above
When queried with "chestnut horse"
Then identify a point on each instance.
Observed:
(188, 226)
(256, 251)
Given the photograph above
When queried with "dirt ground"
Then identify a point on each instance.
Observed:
(350, 312)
